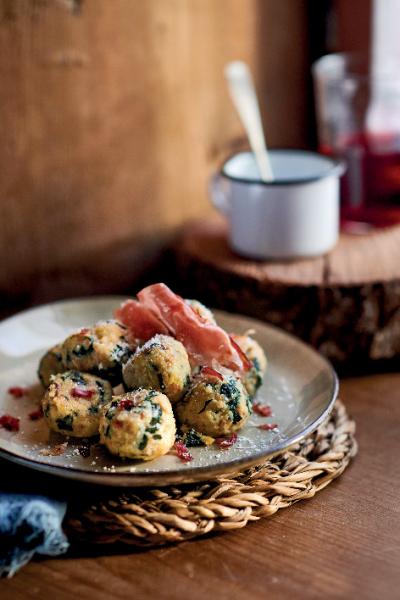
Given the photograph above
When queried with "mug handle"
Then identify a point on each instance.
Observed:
(219, 195)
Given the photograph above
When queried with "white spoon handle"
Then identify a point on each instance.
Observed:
(244, 98)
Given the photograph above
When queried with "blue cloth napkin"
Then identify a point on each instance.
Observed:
(29, 524)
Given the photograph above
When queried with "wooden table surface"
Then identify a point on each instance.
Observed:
(344, 543)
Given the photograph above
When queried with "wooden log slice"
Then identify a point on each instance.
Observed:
(346, 303)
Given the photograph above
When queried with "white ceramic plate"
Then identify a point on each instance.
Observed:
(300, 386)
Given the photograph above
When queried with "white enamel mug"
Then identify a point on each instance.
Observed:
(296, 215)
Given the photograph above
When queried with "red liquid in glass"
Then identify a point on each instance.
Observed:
(370, 187)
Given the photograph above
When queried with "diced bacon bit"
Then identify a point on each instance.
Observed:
(55, 450)
(268, 426)
(10, 423)
(118, 424)
(36, 414)
(78, 392)
(182, 452)
(226, 442)
(126, 404)
(211, 372)
(246, 362)
(262, 409)
(18, 392)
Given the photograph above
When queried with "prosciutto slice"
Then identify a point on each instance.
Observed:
(159, 310)
(141, 322)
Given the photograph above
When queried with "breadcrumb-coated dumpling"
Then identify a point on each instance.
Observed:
(50, 364)
(138, 424)
(202, 311)
(101, 349)
(73, 401)
(160, 364)
(215, 405)
(252, 378)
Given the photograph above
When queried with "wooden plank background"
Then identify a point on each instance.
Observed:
(113, 114)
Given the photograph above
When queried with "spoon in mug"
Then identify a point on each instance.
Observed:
(243, 95)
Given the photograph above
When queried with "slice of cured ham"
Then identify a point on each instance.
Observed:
(139, 320)
(159, 310)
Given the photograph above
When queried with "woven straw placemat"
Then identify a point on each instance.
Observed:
(173, 514)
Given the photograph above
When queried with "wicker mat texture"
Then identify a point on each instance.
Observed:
(148, 517)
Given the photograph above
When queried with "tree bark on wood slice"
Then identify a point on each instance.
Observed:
(346, 303)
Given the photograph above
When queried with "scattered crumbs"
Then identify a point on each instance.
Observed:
(85, 447)
(93, 462)
(76, 452)
(56, 450)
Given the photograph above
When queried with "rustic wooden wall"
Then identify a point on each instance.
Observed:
(112, 115)
(351, 38)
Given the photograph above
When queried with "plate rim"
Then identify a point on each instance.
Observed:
(201, 473)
